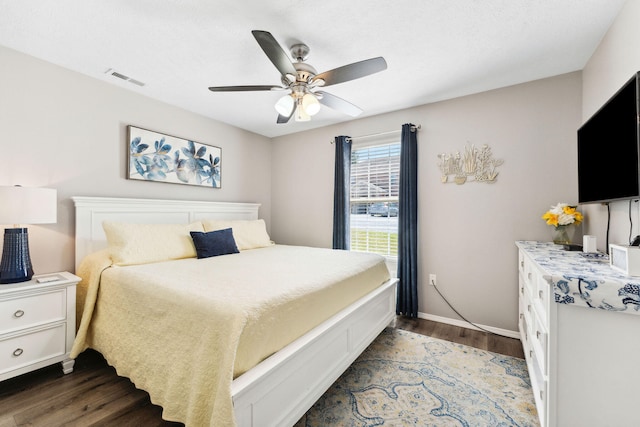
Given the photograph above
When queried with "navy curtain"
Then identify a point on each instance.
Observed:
(342, 177)
(407, 301)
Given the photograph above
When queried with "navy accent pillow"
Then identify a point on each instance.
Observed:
(214, 243)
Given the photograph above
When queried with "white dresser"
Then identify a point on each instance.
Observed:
(580, 330)
(37, 324)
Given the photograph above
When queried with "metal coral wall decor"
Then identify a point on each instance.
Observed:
(474, 164)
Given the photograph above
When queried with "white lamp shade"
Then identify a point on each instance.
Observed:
(310, 104)
(24, 205)
(284, 106)
(300, 114)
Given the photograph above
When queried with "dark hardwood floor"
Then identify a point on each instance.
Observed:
(93, 395)
(470, 337)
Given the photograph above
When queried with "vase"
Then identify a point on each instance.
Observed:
(563, 234)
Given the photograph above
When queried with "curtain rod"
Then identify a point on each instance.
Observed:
(414, 128)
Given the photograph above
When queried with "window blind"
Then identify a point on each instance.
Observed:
(374, 189)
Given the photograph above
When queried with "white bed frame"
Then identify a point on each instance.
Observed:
(278, 391)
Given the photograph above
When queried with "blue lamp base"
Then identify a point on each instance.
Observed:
(15, 266)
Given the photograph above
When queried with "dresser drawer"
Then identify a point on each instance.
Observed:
(24, 312)
(541, 297)
(526, 319)
(539, 338)
(524, 332)
(539, 388)
(528, 271)
(25, 350)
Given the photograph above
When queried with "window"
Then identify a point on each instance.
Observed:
(375, 179)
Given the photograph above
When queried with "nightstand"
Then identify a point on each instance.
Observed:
(37, 323)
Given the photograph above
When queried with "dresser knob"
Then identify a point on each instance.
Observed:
(540, 294)
(18, 313)
(538, 334)
(17, 352)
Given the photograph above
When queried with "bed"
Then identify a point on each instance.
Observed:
(272, 391)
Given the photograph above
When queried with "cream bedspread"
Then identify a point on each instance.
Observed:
(182, 330)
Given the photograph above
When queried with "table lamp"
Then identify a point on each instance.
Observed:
(22, 205)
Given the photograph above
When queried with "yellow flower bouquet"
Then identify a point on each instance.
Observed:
(562, 216)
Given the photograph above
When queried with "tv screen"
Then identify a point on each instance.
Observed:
(608, 149)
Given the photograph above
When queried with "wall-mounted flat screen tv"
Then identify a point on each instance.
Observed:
(608, 149)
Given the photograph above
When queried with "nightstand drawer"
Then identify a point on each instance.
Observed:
(27, 311)
(25, 350)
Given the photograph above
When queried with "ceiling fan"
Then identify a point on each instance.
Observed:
(302, 81)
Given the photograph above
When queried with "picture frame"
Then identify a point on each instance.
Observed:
(154, 156)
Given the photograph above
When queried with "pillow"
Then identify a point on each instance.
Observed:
(214, 243)
(248, 234)
(145, 243)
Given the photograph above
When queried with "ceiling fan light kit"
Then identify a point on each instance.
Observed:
(301, 80)
(285, 105)
(310, 104)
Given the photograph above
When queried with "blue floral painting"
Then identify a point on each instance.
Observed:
(157, 157)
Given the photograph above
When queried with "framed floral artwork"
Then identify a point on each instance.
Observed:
(158, 157)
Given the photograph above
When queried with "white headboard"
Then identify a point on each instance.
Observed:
(91, 211)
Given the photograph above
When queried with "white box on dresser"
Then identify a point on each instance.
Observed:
(37, 324)
(580, 330)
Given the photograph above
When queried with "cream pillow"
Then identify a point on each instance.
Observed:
(248, 234)
(145, 243)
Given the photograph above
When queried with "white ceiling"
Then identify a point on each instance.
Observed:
(435, 49)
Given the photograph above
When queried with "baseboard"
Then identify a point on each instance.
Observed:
(463, 324)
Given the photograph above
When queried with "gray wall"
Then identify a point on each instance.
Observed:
(612, 64)
(64, 130)
(466, 232)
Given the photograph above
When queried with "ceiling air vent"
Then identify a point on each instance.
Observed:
(112, 72)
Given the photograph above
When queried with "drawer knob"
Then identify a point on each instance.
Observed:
(522, 264)
(538, 334)
(529, 276)
(17, 352)
(530, 353)
(540, 294)
(18, 313)
(529, 308)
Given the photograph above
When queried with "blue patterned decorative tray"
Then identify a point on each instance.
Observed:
(595, 255)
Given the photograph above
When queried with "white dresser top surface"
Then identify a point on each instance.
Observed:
(584, 279)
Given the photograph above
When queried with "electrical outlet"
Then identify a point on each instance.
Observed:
(432, 279)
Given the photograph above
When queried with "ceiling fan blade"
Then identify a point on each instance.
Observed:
(285, 119)
(243, 88)
(352, 71)
(274, 52)
(338, 104)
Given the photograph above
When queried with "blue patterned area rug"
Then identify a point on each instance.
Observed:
(406, 379)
